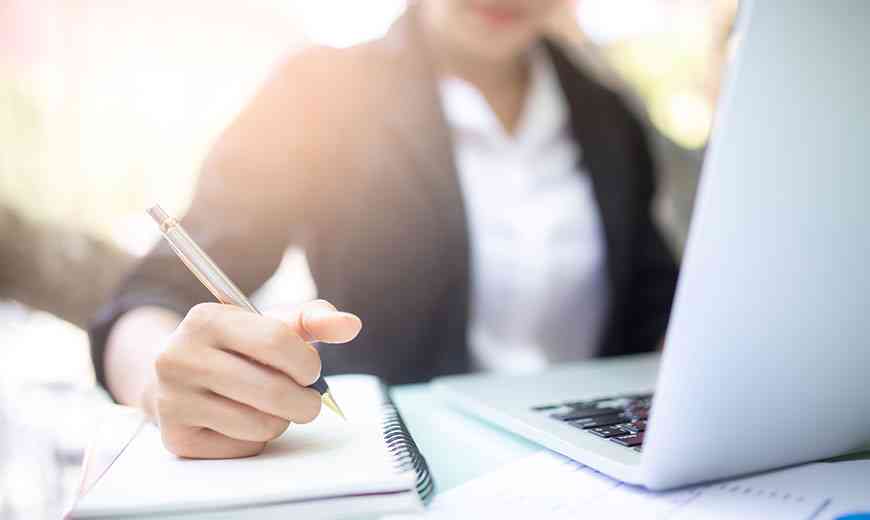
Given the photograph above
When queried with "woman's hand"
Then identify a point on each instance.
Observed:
(229, 381)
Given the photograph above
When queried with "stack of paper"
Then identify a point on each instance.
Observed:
(548, 485)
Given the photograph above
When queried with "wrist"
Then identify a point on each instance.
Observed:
(134, 344)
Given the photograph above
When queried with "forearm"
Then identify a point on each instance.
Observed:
(131, 350)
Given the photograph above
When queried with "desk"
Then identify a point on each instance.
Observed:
(457, 447)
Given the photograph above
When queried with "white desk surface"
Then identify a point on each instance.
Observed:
(457, 446)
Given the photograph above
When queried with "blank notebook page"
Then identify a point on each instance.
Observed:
(328, 458)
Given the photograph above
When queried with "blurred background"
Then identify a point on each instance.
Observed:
(107, 106)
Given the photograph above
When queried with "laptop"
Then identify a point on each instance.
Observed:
(767, 356)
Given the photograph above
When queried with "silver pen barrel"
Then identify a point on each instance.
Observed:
(199, 263)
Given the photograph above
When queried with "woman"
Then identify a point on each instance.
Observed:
(459, 185)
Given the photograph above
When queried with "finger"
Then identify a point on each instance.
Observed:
(266, 340)
(260, 387)
(202, 443)
(225, 416)
(319, 320)
(329, 326)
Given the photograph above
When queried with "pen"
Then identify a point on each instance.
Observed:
(216, 281)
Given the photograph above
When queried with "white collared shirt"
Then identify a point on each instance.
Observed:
(539, 290)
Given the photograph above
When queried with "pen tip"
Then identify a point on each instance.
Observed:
(331, 404)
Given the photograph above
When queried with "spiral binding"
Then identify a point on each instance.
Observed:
(404, 450)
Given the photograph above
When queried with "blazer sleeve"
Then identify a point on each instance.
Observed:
(654, 269)
(250, 201)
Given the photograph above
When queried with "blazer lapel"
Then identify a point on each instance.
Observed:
(418, 126)
(601, 157)
(417, 122)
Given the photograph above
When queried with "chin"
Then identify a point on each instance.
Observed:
(499, 47)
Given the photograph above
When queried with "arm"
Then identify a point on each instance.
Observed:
(248, 203)
(221, 383)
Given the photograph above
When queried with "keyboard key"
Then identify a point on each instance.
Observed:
(634, 439)
(583, 413)
(635, 426)
(616, 402)
(637, 405)
(637, 413)
(607, 431)
(596, 422)
(637, 397)
(588, 403)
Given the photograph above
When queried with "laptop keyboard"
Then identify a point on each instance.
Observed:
(620, 419)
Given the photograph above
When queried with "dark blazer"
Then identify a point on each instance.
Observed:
(346, 154)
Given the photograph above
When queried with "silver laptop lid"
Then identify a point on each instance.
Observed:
(767, 360)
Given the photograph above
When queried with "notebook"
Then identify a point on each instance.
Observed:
(367, 466)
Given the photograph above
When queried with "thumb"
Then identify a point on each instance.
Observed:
(318, 320)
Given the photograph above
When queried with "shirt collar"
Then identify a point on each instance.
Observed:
(544, 112)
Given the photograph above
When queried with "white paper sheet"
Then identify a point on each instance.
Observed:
(329, 457)
(549, 486)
